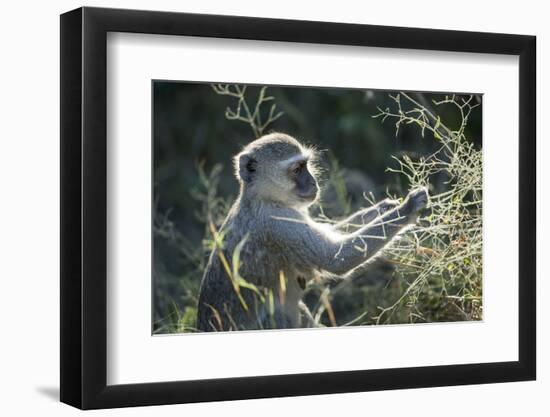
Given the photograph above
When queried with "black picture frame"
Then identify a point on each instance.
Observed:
(84, 207)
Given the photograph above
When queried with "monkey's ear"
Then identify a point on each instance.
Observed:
(245, 166)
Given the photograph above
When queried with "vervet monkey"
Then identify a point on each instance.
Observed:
(280, 246)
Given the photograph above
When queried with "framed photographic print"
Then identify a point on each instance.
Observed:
(256, 207)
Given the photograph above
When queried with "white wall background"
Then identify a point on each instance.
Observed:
(29, 177)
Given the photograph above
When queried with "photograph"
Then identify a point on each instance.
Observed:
(293, 207)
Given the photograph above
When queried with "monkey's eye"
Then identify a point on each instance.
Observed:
(298, 168)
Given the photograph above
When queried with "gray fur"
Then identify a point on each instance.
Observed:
(281, 240)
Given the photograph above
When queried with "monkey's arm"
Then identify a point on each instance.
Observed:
(366, 215)
(313, 245)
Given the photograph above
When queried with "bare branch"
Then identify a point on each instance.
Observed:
(242, 112)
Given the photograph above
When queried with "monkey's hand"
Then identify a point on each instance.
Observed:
(415, 201)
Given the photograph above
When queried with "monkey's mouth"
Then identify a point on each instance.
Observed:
(312, 195)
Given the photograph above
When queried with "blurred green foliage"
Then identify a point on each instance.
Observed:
(193, 143)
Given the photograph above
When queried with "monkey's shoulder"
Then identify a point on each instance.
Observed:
(263, 223)
(283, 220)
(258, 233)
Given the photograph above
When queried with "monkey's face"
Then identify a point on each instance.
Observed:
(304, 185)
(277, 168)
(290, 182)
